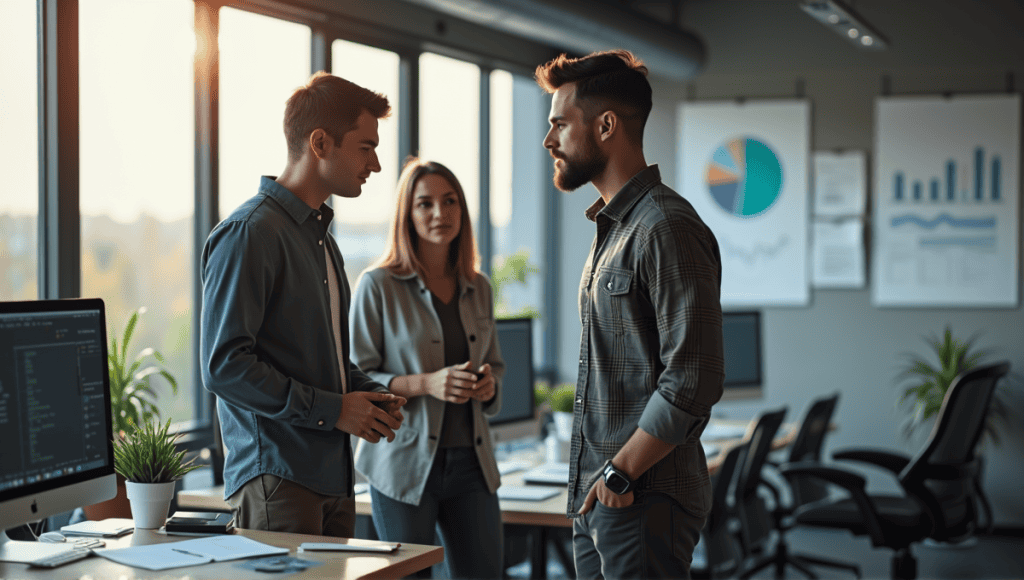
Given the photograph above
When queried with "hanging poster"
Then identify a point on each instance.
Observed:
(744, 167)
(946, 201)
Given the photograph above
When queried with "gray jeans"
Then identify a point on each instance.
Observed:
(268, 502)
(652, 538)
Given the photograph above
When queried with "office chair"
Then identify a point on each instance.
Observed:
(939, 482)
(720, 535)
(756, 525)
(806, 447)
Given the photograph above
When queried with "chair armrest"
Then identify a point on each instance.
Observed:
(885, 459)
(948, 472)
(851, 482)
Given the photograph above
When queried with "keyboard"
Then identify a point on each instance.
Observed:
(87, 543)
(61, 558)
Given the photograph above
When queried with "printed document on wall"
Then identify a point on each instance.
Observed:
(946, 201)
(744, 167)
(838, 253)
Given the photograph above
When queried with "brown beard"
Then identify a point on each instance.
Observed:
(582, 169)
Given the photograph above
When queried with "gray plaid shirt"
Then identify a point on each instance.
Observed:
(651, 348)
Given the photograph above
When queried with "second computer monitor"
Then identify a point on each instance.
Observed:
(516, 417)
(741, 341)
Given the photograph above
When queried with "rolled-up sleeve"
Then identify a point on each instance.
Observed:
(681, 275)
(238, 282)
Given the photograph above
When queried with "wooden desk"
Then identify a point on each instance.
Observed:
(404, 562)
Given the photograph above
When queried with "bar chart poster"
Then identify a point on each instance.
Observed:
(946, 201)
(744, 168)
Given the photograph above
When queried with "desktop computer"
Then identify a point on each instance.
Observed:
(516, 419)
(55, 421)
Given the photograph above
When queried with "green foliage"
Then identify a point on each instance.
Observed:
(929, 383)
(563, 397)
(132, 398)
(147, 455)
(541, 393)
(515, 268)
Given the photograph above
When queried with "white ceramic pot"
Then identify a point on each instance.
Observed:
(150, 503)
(563, 424)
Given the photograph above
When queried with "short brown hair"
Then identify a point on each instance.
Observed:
(613, 79)
(330, 103)
(403, 241)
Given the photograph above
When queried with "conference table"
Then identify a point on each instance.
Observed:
(543, 518)
(405, 561)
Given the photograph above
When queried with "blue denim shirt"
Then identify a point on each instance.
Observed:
(651, 349)
(267, 345)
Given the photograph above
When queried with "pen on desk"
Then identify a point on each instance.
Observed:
(187, 553)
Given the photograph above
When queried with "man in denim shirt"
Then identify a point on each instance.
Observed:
(651, 363)
(274, 333)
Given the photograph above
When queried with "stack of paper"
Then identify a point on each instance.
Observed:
(190, 552)
(108, 528)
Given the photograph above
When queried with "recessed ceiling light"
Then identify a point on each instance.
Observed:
(853, 33)
(842, 20)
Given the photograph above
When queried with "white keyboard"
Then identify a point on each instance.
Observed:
(61, 558)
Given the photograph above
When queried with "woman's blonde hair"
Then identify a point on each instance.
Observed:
(400, 255)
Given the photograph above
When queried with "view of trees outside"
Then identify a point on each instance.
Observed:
(136, 177)
(361, 224)
(19, 151)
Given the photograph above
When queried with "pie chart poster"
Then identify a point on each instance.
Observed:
(744, 167)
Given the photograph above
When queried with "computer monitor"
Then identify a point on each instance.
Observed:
(741, 341)
(517, 418)
(55, 420)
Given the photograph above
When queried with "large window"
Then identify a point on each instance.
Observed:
(450, 121)
(361, 225)
(19, 153)
(518, 180)
(136, 176)
(262, 61)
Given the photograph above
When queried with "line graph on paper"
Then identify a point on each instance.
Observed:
(987, 222)
(758, 253)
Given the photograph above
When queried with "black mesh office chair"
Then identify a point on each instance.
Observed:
(939, 500)
(721, 533)
(806, 447)
(756, 520)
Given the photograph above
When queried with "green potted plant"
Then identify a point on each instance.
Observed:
(148, 460)
(562, 399)
(541, 396)
(929, 383)
(132, 402)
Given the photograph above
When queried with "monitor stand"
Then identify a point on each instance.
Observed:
(26, 552)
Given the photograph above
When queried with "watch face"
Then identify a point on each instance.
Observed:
(616, 483)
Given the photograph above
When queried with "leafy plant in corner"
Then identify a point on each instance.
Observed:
(930, 383)
(132, 397)
(147, 455)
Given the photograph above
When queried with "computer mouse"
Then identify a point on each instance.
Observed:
(52, 538)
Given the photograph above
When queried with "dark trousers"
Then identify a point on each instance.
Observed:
(457, 504)
(268, 502)
(652, 538)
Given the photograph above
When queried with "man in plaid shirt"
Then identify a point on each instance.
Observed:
(651, 363)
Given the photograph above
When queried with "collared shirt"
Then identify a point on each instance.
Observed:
(268, 346)
(651, 347)
(395, 332)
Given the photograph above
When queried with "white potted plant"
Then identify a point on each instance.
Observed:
(146, 457)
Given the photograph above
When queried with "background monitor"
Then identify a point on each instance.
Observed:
(517, 418)
(55, 421)
(741, 340)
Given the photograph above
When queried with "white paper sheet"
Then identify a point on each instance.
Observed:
(190, 552)
(838, 254)
(840, 186)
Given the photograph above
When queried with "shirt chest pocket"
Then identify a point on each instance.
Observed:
(612, 298)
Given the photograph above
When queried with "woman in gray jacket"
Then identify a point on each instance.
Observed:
(422, 323)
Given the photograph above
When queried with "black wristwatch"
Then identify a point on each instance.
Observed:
(616, 480)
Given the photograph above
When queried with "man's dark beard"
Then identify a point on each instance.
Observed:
(580, 171)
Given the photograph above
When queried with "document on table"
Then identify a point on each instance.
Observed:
(190, 552)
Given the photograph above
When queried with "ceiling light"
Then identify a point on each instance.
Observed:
(844, 21)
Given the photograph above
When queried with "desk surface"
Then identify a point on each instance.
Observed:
(404, 562)
(549, 513)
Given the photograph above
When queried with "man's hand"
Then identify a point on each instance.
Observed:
(361, 417)
(452, 384)
(601, 493)
(483, 391)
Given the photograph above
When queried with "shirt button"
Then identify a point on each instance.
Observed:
(321, 423)
(325, 280)
(580, 400)
(320, 242)
(609, 285)
(319, 217)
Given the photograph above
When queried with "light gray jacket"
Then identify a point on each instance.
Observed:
(394, 332)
